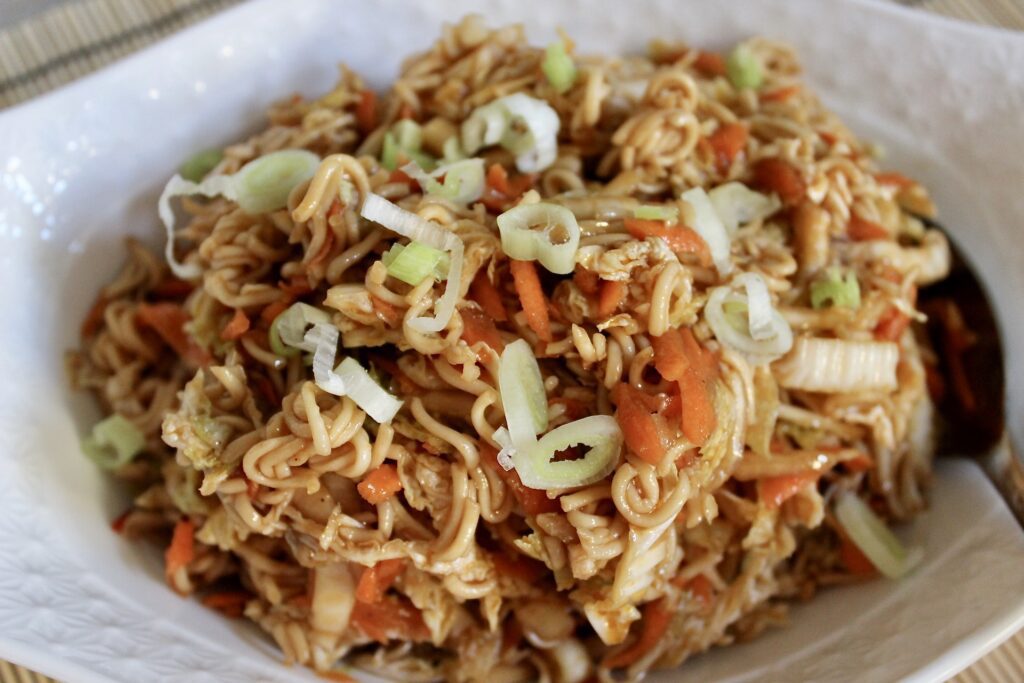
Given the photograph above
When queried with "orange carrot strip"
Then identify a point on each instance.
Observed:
(854, 559)
(386, 310)
(862, 463)
(681, 239)
(613, 293)
(521, 567)
(238, 326)
(497, 178)
(324, 252)
(655, 621)
(695, 389)
(181, 551)
(172, 287)
(380, 484)
(483, 291)
(894, 179)
(862, 230)
(229, 603)
(392, 618)
(777, 490)
(775, 175)
(634, 415)
(274, 309)
(781, 94)
(477, 326)
(587, 280)
(168, 320)
(366, 112)
(727, 142)
(533, 501)
(670, 358)
(375, 581)
(891, 325)
(531, 296)
(710, 64)
(94, 318)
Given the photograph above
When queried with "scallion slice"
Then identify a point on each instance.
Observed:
(836, 289)
(463, 180)
(199, 164)
(405, 139)
(522, 393)
(743, 68)
(874, 538)
(543, 232)
(538, 470)
(368, 395)
(763, 335)
(414, 262)
(290, 327)
(114, 442)
(558, 67)
(656, 212)
(524, 125)
(736, 204)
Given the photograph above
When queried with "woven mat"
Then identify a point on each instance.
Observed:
(80, 36)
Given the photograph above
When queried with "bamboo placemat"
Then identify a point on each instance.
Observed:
(81, 36)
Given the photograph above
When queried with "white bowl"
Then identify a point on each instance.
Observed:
(82, 167)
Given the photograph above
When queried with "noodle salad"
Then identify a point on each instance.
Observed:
(537, 366)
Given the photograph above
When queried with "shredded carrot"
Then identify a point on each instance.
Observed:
(117, 526)
(366, 112)
(726, 143)
(296, 287)
(531, 297)
(854, 559)
(894, 179)
(181, 551)
(252, 489)
(710, 64)
(336, 676)
(634, 413)
(501, 190)
(777, 490)
(389, 366)
(781, 94)
(274, 309)
(862, 230)
(391, 618)
(375, 581)
(324, 252)
(891, 325)
(94, 318)
(497, 178)
(169, 320)
(386, 311)
(776, 175)
(679, 357)
(483, 291)
(681, 239)
(229, 603)
(533, 501)
(477, 326)
(699, 586)
(238, 326)
(613, 293)
(172, 288)
(520, 567)
(574, 408)
(935, 381)
(587, 280)
(656, 618)
(380, 484)
(956, 340)
(862, 463)
(828, 137)
(400, 176)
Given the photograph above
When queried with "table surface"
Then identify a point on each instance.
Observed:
(46, 43)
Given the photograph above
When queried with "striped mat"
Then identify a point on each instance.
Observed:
(77, 37)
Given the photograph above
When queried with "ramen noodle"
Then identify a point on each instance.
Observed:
(537, 366)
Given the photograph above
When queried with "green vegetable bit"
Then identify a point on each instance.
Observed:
(558, 67)
(415, 261)
(836, 290)
(199, 164)
(743, 68)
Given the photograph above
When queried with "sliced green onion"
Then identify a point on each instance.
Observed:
(199, 164)
(524, 125)
(452, 150)
(743, 68)
(264, 184)
(184, 491)
(558, 67)
(404, 140)
(393, 217)
(541, 232)
(601, 433)
(522, 393)
(836, 289)
(288, 330)
(708, 224)
(736, 204)
(463, 180)
(414, 262)
(114, 442)
(874, 538)
(656, 212)
(368, 395)
(762, 335)
(324, 339)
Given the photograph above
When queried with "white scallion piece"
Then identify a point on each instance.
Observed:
(736, 204)
(368, 395)
(323, 341)
(874, 538)
(542, 232)
(463, 180)
(522, 394)
(526, 126)
(730, 314)
(709, 226)
(600, 432)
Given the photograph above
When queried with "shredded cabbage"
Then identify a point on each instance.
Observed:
(708, 225)
(839, 366)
